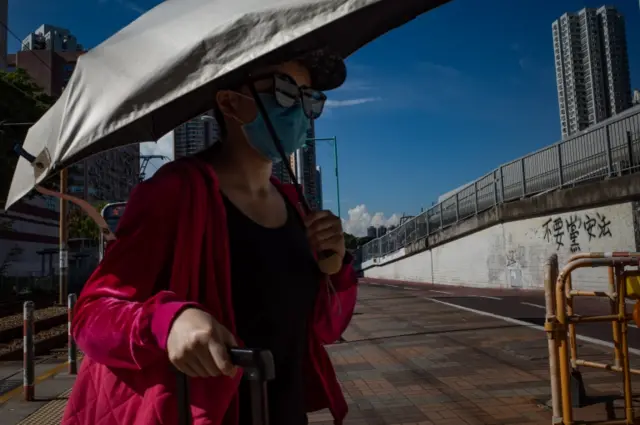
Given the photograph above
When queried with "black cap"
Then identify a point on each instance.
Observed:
(327, 69)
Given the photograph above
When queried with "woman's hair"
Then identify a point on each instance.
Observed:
(222, 125)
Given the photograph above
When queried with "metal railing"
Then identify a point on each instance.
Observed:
(607, 149)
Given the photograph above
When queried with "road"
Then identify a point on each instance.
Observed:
(523, 306)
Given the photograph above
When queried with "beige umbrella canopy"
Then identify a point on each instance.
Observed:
(163, 69)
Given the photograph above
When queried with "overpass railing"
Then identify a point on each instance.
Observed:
(610, 148)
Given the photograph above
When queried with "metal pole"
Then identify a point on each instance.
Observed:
(28, 372)
(607, 147)
(335, 151)
(63, 236)
(630, 149)
(550, 276)
(73, 352)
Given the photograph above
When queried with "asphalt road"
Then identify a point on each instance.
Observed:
(525, 306)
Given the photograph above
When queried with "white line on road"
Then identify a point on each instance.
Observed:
(441, 292)
(488, 297)
(534, 305)
(527, 324)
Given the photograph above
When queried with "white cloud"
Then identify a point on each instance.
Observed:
(128, 4)
(350, 102)
(360, 220)
(132, 6)
(163, 147)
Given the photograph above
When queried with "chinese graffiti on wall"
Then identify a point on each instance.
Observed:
(565, 232)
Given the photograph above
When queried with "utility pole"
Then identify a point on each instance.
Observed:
(144, 162)
(63, 282)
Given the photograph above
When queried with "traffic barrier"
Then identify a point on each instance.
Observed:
(72, 350)
(567, 387)
(28, 371)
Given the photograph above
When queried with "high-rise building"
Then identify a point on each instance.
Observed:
(309, 168)
(49, 56)
(4, 25)
(592, 67)
(195, 135)
(319, 187)
(49, 37)
(303, 163)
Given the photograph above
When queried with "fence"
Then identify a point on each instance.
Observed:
(607, 149)
(16, 288)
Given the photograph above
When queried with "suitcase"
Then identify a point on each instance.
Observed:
(258, 370)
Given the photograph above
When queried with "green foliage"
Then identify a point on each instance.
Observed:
(350, 241)
(354, 242)
(82, 226)
(21, 101)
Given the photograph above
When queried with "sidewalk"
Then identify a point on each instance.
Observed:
(407, 360)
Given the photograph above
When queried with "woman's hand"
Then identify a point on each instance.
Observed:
(325, 233)
(199, 346)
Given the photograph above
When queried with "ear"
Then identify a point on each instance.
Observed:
(236, 105)
(228, 103)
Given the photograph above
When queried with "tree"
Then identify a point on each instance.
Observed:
(364, 240)
(350, 241)
(82, 226)
(21, 101)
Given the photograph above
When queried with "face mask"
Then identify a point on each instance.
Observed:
(291, 125)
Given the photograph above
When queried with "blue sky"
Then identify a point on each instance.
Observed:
(426, 108)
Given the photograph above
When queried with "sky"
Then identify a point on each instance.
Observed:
(426, 108)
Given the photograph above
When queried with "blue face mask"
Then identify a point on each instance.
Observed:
(291, 125)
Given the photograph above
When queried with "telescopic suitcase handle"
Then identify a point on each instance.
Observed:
(258, 368)
(257, 364)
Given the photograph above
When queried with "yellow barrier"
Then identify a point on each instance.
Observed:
(560, 325)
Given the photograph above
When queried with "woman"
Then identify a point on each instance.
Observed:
(211, 253)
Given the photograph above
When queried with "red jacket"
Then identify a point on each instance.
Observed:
(122, 318)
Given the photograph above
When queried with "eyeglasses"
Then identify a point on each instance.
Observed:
(288, 93)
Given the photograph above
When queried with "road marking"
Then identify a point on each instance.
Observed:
(527, 324)
(48, 374)
(441, 292)
(533, 305)
(488, 297)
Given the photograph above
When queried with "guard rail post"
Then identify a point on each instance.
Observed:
(28, 371)
(73, 351)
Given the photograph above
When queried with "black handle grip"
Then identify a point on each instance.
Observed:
(257, 363)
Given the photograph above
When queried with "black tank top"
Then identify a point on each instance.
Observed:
(274, 282)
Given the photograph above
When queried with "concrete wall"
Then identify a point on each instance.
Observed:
(512, 254)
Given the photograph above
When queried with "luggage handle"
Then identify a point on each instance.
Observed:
(257, 364)
(259, 369)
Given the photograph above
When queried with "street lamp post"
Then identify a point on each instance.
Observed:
(334, 140)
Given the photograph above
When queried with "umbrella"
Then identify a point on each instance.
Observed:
(164, 68)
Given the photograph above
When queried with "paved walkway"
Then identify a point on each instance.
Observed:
(412, 360)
